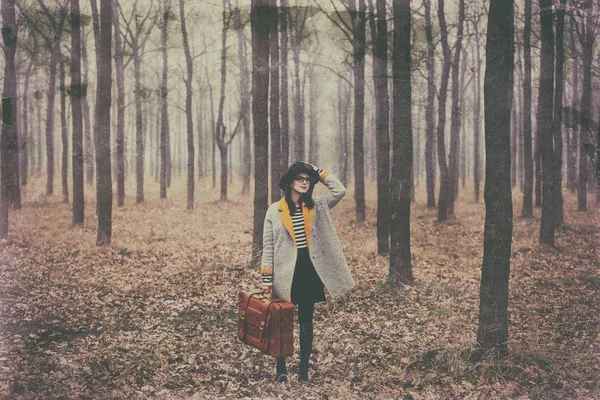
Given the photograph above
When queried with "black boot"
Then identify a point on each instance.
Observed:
(281, 370)
(306, 341)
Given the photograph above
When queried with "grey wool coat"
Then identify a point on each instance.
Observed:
(280, 251)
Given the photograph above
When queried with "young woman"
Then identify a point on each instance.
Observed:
(302, 254)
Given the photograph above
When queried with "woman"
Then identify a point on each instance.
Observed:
(302, 254)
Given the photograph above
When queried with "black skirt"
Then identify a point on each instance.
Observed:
(306, 286)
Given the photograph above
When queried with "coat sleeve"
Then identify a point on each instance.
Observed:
(266, 264)
(337, 191)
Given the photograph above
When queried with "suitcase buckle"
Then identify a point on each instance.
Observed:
(262, 325)
(243, 315)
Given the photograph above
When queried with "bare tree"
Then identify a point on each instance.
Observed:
(64, 132)
(103, 33)
(557, 125)
(492, 331)
(188, 108)
(285, 117)
(77, 93)
(137, 31)
(527, 144)
(441, 146)
(400, 182)
(9, 150)
(455, 116)
(165, 148)
(274, 115)
(260, 97)
(429, 117)
(52, 37)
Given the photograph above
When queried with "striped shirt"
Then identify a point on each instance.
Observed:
(299, 231)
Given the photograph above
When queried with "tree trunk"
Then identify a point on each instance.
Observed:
(546, 94)
(120, 75)
(26, 136)
(358, 16)
(492, 332)
(221, 130)
(9, 149)
(441, 146)
(165, 151)
(585, 129)
(274, 115)
(104, 191)
(527, 142)
(299, 130)
(572, 148)
(64, 135)
(382, 124)
(38, 109)
(260, 97)
(244, 103)
(50, 122)
(78, 92)
(88, 145)
(477, 118)
(400, 257)
(188, 109)
(557, 125)
(455, 116)
(313, 146)
(285, 119)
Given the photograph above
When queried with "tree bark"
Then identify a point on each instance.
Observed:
(358, 16)
(120, 75)
(299, 125)
(50, 122)
(274, 114)
(9, 149)
(382, 123)
(492, 332)
(557, 125)
(429, 111)
(188, 109)
(244, 102)
(165, 153)
(285, 119)
(104, 191)
(573, 122)
(88, 145)
(546, 97)
(455, 116)
(585, 126)
(400, 183)
(441, 146)
(477, 119)
(260, 97)
(527, 211)
(64, 134)
(77, 94)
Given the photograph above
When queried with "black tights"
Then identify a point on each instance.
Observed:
(305, 312)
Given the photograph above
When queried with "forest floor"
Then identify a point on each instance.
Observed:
(155, 314)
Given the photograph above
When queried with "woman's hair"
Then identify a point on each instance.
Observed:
(305, 198)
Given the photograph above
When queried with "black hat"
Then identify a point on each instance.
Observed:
(295, 169)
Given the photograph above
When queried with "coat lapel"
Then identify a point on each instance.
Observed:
(284, 214)
(286, 218)
(308, 220)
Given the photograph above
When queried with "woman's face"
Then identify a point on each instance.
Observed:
(301, 183)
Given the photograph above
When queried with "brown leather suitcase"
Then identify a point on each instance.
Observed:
(267, 324)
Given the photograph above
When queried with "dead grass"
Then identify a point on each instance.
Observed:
(154, 314)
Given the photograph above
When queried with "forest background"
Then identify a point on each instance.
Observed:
(125, 284)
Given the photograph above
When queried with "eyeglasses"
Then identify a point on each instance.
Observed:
(302, 179)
